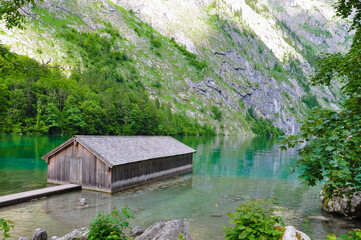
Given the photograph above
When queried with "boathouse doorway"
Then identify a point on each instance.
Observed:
(76, 170)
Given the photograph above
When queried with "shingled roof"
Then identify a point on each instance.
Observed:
(117, 150)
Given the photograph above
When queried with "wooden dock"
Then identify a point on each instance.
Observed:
(29, 195)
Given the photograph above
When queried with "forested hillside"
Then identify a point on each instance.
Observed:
(93, 67)
(36, 99)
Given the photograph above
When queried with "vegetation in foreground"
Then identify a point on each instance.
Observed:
(254, 220)
(352, 235)
(5, 227)
(111, 226)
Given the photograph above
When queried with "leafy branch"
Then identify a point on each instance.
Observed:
(5, 226)
(333, 138)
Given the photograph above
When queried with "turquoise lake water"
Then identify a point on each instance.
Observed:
(226, 170)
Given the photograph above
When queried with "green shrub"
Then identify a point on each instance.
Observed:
(217, 114)
(180, 236)
(356, 235)
(278, 67)
(110, 226)
(155, 43)
(191, 57)
(254, 220)
(5, 226)
(241, 104)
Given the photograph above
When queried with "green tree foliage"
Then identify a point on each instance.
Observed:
(4, 94)
(110, 226)
(254, 220)
(106, 96)
(262, 127)
(15, 15)
(334, 137)
(13, 12)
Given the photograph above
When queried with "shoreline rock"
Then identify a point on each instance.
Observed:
(292, 233)
(166, 231)
(137, 231)
(40, 234)
(160, 231)
(79, 234)
(170, 230)
(347, 206)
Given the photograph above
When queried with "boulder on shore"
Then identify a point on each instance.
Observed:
(137, 231)
(348, 206)
(40, 234)
(79, 234)
(292, 233)
(165, 231)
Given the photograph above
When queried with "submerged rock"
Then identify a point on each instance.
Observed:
(348, 206)
(292, 233)
(82, 201)
(321, 218)
(40, 234)
(165, 231)
(216, 215)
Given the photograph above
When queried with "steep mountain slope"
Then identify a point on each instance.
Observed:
(237, 55)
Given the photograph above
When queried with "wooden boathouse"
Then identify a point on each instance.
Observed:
(114, 163)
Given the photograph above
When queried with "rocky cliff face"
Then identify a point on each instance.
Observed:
(258, 54)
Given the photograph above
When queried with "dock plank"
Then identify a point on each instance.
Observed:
(25, 196)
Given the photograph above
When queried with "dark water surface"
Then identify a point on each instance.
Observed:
(226, 170)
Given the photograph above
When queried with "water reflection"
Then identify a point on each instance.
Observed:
(24, 152)
(247, 157)
(226, 170)
(21, 168)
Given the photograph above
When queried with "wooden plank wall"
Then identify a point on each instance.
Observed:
(95, 174)
(59, 166)
(124, 176)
